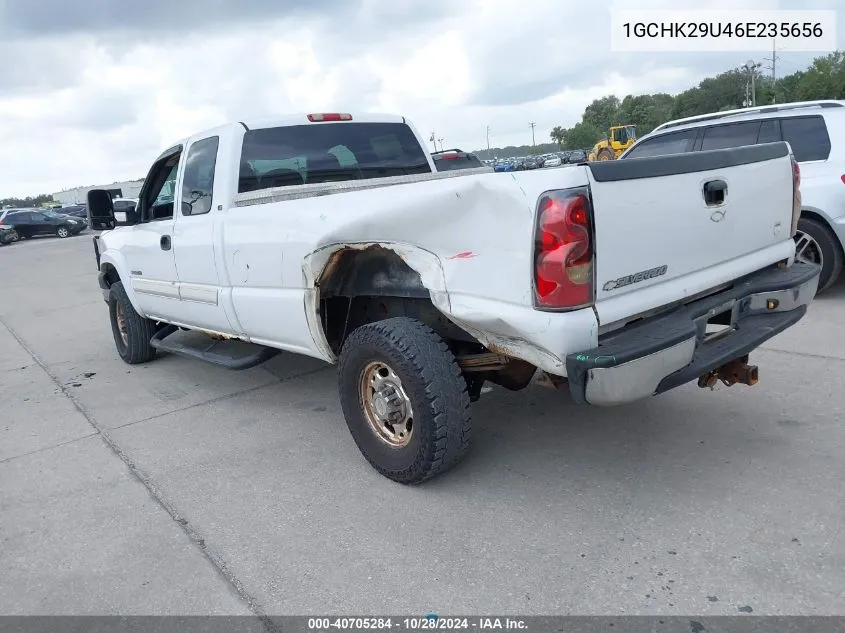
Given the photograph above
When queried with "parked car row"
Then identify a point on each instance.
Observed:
(554, 159)
(28, 222)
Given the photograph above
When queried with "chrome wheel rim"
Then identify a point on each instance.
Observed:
(807, 250)
(120, 317)
(386, 405)
(63, 232)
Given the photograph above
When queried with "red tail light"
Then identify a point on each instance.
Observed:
(329, 116)
(448, 157)
(1, 222)
(563, 250)
(842, 177)
(796, 195)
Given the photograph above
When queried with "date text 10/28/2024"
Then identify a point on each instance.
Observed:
(426, 623)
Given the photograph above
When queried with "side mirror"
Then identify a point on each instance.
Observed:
(100, 210)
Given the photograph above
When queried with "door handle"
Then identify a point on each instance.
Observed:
(165, 242)
(715, 192)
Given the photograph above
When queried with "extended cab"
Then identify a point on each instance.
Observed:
(335, 236)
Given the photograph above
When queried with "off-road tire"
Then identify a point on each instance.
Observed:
(435, 387)
(139, 331)
(831, 251)
(605, 154)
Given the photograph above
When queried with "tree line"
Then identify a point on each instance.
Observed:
(824, 79)
(29, 201)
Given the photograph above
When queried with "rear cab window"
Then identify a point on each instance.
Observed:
(328, 152)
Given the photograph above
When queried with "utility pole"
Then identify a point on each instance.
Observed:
(751, 66)
(745, 102)
(488, 142)
(773, 67)
(753, 90)
(433, 140)
(441, 144)
(532, 124)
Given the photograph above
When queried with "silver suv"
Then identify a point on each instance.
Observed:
(816, 132)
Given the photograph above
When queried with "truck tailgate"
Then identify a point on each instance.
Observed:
(656, 226)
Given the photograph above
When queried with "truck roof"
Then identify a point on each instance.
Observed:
(285, 120)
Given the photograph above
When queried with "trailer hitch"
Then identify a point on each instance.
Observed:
(729, 374)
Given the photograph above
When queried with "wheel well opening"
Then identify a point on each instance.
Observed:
(818, 217)
(110, 274)
(361, 286)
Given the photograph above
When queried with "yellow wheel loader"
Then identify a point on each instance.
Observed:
(621, 137)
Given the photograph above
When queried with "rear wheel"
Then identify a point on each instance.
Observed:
(404, 399)
(63, 231)
(132, 332)
(817, 244)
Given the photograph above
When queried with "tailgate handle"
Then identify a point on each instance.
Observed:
(715, 192)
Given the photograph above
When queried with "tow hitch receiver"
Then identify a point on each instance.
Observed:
(736, 371)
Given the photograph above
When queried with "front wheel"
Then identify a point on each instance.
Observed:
(404, 399)
(132, 332)
(63, 232)
(606, 154)
(817, 244)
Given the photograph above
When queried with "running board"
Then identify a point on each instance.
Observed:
(229, 353)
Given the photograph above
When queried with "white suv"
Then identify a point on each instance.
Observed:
(816, 132)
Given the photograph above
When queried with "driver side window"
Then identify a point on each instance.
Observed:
(157, 195)
(163, 204)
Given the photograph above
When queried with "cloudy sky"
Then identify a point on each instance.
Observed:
(92, 90)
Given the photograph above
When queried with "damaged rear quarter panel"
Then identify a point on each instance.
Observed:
(469, 238)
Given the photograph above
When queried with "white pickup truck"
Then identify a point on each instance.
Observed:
(334, 236)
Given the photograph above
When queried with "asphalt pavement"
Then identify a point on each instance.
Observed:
(178, 487)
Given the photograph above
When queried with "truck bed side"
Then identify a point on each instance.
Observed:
(470, 238)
